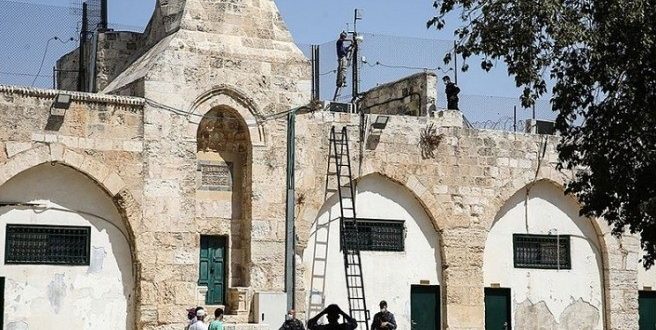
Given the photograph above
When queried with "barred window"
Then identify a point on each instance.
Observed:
(47, 245)
(375, 235)
(542, 251)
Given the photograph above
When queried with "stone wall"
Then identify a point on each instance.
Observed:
(97, 143)
(229, 55)
(415, 95)
(462, 185)
(68, 68)
(116, 50)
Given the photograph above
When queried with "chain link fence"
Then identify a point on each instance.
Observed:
(385, 58)
(35, 36)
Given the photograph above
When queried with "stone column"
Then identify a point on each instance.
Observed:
(463, 296)
(621, 282)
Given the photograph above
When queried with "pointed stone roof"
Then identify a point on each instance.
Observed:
(180, 31)
(193, 45)
(253, 18)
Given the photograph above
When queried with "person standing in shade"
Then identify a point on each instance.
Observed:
(332, 313)
(291, 322)
(200, 321)
(217, 324)
(383, 320)
(342, 59)
(452, 91)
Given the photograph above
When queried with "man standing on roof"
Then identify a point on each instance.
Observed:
(452, 91)
(342, 59)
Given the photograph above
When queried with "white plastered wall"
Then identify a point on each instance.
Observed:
(387, 275)
(98, 296)
(573, 298)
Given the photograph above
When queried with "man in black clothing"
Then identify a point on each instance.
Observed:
(332, 313)
(342, 59)
(452, 91)
(383, 320)
(291, 322)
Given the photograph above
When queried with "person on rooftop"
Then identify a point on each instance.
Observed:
(343, 52)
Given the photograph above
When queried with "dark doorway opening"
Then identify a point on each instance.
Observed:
(425, 307)
(647, 307)
(497, 309)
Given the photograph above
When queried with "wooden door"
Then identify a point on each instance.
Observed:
(212, 268)
(425, 307)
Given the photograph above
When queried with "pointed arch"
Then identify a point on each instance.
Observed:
(126, 213)
(230, 97)
(600, 229)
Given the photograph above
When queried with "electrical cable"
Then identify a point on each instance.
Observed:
(181, 112)
(45, 53)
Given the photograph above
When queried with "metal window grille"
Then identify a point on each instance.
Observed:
(47, 245)
(374, 235)
(542, 251)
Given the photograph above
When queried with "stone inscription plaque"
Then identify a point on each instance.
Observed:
(216, 176)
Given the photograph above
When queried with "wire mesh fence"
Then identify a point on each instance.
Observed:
(384, 58)
(35, 36)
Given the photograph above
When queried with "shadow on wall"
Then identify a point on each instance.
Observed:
(71, 198)
(555, 195)
(551, 298)
(377, 197)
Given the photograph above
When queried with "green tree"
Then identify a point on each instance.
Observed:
(599, 59)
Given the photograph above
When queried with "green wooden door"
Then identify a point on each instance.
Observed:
(212, 268)
(497, 309)
(647, 308)
(425, 307)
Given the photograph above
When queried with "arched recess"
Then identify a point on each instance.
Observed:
(387, 275)
(233, 98)
(224, 155)
(43, 187)
(556, 298)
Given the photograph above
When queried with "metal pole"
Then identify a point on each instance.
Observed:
(515, 118)
(81, 59)
(533, 111)
(316, 95)
(290, 236)
(314, 70)
(54, 77)
(356, 66)
(455, 62)
(103, 16)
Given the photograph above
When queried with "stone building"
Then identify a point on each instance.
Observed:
(166, 190)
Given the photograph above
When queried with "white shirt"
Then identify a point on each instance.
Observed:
(199, 325)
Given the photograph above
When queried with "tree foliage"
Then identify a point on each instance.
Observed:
(599, 57)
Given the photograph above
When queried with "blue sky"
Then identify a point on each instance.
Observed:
(319, 21)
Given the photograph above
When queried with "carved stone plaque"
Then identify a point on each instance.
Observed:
(216, 176)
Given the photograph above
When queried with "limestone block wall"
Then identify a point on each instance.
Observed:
(414, 95)
(85, 161)
(234, 55)
(68, 66)
(462, 186)
(116, 50)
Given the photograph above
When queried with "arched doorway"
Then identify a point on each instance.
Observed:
(543, 263)
(223, 200)
(407, 277)
(66, 252)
